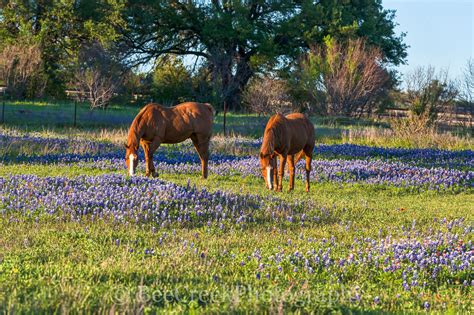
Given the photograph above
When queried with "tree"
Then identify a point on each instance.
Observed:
(96, 87)
(59, 28)
(20, 64)
(135, 88)
(238, 39)
(343, 79)
(97, 75)
(172, 82)
(268, 95)
(466, 85)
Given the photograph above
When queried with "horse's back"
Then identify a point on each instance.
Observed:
(199, 115)
(175, 124)
(298, 118)
(204, 109)
(301, 124)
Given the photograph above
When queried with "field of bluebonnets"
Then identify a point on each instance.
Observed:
(382, 228)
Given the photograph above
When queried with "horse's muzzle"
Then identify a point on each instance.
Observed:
(131, 165)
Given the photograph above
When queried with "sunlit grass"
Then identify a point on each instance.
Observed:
(57, 263)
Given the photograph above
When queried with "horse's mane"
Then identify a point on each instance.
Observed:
(269, 137)
(268, 144)
(134, 133)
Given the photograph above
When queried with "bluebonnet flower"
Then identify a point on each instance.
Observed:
(426, 305)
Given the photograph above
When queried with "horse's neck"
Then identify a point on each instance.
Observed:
(269, 142)
(134, 136)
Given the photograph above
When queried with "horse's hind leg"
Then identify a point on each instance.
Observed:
(201, 143)
(291, 167)
(308, 151)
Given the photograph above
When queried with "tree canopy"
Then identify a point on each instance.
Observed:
(240, 38)
(60, 28)
(233, 39)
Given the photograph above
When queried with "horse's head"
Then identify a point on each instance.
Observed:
(131, 159)
(267, 163)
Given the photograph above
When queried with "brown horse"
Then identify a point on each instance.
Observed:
(156, 124)
(288, 137)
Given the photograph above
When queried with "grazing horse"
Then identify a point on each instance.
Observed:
(289, 137)
(156, 124)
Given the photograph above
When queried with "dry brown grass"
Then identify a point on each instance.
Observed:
(405, 134)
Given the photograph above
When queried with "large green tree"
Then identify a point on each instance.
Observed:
(238, 38)
(172, 82)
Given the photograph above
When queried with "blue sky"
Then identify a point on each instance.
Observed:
(439, 32)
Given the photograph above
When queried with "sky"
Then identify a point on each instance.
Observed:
(439, 32)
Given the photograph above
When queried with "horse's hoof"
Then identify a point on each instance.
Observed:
(154, 174)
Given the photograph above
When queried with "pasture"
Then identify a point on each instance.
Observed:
(387, 227)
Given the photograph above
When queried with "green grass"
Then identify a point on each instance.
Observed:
(52, 264)
(37, 115)
(79, 267)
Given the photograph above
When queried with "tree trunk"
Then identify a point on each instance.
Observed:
(231, 85)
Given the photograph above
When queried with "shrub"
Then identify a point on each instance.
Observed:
(428, 95)
(343, 78)
(268, 95)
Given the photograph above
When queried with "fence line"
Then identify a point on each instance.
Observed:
(63, 113)
(74, 113)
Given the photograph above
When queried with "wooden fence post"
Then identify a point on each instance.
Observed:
(225, 113)
(3, 110)
(75, 112)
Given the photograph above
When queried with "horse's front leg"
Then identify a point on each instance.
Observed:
(275, 173)
(281, 171)
(149, 148)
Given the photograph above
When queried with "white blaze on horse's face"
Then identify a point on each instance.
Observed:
(131, 169)
(269, 178)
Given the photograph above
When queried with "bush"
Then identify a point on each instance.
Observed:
(268, 95)
(342, 78)
(428, 95)
(20, 70)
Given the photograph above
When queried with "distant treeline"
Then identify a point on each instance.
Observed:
(323, 57)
